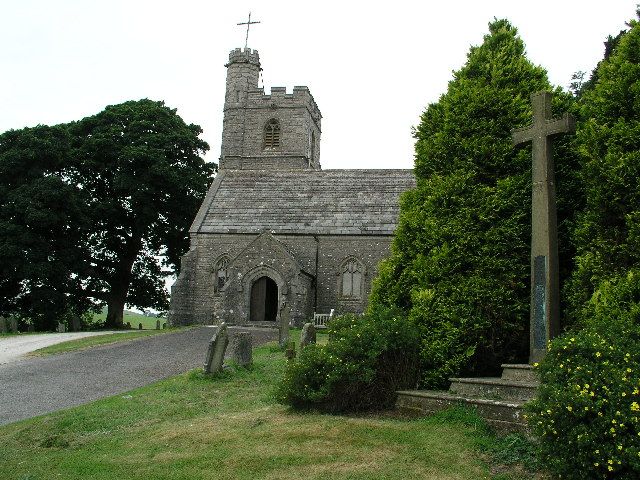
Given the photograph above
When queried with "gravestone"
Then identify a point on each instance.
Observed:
(290, 351)
(13, 324)
(545, 295)
(157, 324)
(215, 352)
(31, 328)
(61, 328)
(164, 325)
(129, 325)
(285, 319)
(4, 327)
(139, 326)
(241, 350)
(308, 335)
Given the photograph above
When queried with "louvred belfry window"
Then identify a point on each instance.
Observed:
(272, 134)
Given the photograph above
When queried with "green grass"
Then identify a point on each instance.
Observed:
(229, 427)
(148, 323)
(88, 342)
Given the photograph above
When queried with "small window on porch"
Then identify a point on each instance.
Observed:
(220, 273)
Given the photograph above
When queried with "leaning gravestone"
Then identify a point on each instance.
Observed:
(308, 335)
(157, 324)
(545, 293)
(215, 352)
(241, 349)
(4, 328)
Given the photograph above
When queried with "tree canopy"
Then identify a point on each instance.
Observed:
(460, 256)
(607, 234)
(102, 205)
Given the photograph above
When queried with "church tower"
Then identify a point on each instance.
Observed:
(276, 131)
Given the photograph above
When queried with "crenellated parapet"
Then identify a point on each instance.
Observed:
(278, 130)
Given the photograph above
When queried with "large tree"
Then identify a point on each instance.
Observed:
(121, 191)
(607, 235)
(460, 256)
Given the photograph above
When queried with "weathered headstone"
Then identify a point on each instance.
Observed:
(13, 324)
(129, 325)
(31, 328)
(61, 328)
(285, 320)
(139, 326)
(545, 295)
(215, 352)
(308, 335)
(157, 324)
(164, 325)
(241, 349)
(290, 351)
(4, 327)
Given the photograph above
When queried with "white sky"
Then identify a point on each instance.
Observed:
(371, 66)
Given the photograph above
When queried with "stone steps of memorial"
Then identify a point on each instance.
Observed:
(498, 400)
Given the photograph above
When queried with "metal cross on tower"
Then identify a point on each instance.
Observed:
(248, 23)
(545, 297)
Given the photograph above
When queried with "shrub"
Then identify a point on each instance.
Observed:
(587, 410)
(366, 361)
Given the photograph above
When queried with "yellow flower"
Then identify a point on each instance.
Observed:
(598, 354)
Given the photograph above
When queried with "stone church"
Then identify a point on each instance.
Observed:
(277, 237)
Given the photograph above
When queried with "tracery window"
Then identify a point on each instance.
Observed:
(352, 279)
(220, 274)
(272, 134)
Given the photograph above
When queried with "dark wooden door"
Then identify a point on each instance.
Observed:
(264, 300)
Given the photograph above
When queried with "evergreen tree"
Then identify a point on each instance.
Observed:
(607, 235)
(460, 257)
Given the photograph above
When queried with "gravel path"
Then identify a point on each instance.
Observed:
(35, 386)
(14, 347)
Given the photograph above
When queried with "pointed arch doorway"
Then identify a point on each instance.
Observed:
(264, 300)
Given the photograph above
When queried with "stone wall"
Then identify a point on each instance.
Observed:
(306, 268)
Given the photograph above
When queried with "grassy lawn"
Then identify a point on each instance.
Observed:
(229, 427)
(148, 323)
(88, 342)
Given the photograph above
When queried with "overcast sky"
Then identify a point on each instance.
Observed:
(371, 66)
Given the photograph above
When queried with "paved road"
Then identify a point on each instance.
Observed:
(13, 348)
(35, 386)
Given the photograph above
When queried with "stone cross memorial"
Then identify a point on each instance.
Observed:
(545, 296)
(215, 352)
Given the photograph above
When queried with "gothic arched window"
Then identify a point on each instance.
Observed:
(272, 134)
(352, 272)
(220, 273)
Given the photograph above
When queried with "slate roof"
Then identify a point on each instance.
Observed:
(323, 202)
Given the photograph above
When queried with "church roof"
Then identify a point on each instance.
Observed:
(323, 202)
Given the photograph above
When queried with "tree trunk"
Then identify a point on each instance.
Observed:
(115, 310)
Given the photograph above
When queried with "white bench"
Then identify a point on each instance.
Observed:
(320, 320)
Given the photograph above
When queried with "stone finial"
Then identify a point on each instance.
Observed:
(241, 349)
(308, 335)
(215, 352)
